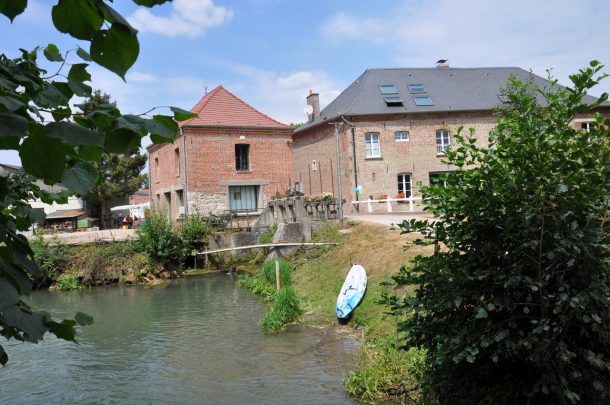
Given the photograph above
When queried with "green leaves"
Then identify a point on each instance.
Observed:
(12, 8)
(74, 134)
(12, 124)
(181, 115)
(80, 178)
(116, 49)
(83, 319)
(79, 18)
(43, 157)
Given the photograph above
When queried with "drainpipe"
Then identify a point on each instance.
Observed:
(150, 183)
(355, 166)
(185, 192)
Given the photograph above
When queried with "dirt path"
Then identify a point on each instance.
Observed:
(106, 235)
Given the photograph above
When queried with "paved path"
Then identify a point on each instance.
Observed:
(387, 218)
(106, 235)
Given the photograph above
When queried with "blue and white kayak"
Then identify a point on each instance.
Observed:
(352, 291)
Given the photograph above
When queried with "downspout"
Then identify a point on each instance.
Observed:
(185, 193)
(150, 182)
(355, 166)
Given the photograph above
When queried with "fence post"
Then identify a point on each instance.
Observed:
(277, 275)
(369, 206)
(411, 204)
(389, 202)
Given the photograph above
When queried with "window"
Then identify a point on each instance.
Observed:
(388, 89)
(416, 88)
(393, 101)
(442, 141)
(404, 184)
(177, 161)
(423, 100)
(243, 198)
(372, 148)
(587, 126)
(438, 178)
(156, 170)
(401, 135)
(241, 156)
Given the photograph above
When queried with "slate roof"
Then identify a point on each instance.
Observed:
(221, 108)
(451, 89)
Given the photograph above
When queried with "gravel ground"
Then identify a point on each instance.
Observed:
(108, 235)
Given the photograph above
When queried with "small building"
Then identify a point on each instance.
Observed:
(230, 158)
(69, 220)
(394, 126)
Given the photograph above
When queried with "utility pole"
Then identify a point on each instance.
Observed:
(339, 186)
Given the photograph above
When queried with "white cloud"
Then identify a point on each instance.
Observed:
(281, 95)
(189, 18)
(537, 35)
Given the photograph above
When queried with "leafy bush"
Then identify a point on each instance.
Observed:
(156, 238)
(284, 310)
(67, 282)
(286, 270)
(194, 232)
(50, 257)
(513, 305)
(385, 372)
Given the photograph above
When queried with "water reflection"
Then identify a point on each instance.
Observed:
(195, 341)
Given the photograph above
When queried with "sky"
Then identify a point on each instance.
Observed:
(271, 53)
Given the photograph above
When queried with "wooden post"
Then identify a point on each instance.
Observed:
(277, 275)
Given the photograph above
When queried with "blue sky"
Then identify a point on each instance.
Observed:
(271, 52)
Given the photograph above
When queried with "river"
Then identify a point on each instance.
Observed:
(196, 341)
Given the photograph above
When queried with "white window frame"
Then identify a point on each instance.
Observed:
(405, 133)
(403, 183)
(587, 126)
(443, 141)
(372, 145)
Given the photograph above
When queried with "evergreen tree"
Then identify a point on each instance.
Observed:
(121, 174)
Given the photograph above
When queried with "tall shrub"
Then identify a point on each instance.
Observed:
(513, 306)
(194, 232)
(156, 238)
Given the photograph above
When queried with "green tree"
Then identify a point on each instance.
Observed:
(121, 173)
(57, 144)
(513, 305)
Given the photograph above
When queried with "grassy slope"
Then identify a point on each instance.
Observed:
(321, 272)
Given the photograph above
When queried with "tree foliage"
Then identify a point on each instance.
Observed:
(121, 173)
(57, 143)
(513, 307)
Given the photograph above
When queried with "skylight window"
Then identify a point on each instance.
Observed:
(388, 89)
(393, 101)
(416, 88)
(423, 100)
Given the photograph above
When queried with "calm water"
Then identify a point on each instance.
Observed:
(195, 341)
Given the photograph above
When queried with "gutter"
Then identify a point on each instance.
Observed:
(185, 192)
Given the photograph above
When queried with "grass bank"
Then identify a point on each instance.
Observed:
(382, 372)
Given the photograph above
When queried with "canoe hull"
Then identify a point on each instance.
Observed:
(352, 291)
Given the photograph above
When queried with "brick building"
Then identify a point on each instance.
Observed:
(229, 157)
(394, 125)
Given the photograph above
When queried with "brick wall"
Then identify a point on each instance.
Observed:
(377, 176)
(211, 169)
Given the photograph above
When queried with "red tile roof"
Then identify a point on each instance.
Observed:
(221, 108)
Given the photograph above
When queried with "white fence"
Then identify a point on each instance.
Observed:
(412, 201)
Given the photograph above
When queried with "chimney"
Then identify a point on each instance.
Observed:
(313, 99)
(442, 63)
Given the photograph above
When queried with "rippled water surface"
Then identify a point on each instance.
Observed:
(195, 341)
